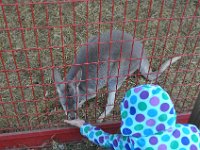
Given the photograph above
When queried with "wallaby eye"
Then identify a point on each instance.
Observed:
(70, 91)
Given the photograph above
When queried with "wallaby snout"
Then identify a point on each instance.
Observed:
(68, 92)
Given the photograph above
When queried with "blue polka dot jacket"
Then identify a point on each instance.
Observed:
(148, 123)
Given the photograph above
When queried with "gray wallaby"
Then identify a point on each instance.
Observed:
(110, 61)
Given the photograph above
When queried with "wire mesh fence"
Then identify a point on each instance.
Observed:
(38, 36)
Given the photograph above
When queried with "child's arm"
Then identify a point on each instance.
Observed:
(98, 136)
(101, 138)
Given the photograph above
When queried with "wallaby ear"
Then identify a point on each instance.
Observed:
(56, 75)
(57, 79)
(78, 76)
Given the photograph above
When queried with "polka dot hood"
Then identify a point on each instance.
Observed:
(146, 110)
(148, 123)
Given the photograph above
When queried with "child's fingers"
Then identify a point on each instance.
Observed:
(72, 122)
(77, 122)
(66, 121)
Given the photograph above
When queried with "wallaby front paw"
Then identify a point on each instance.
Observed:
(99, 120)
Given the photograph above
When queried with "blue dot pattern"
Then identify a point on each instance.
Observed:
(148, 122)
(156, 103)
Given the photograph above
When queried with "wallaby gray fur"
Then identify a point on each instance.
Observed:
(110, 68)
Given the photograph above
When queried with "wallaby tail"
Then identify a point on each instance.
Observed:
(154, 75)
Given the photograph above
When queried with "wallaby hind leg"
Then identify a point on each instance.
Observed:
(144, 69)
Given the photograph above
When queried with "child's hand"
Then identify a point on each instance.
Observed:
(77, 122)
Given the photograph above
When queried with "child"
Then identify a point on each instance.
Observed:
(148, 123)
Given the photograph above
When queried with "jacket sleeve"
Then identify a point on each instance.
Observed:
(101, 138)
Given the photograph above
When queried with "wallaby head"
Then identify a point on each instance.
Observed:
(68, 92)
